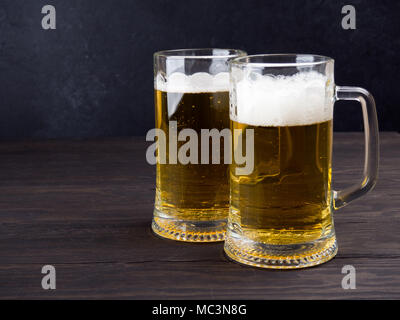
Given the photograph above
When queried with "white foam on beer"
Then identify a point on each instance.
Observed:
(196, 83)
(300, 99)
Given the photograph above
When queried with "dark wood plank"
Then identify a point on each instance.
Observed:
(86, 207)
(216, 278)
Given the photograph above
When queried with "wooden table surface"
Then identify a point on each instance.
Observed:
(86, 206)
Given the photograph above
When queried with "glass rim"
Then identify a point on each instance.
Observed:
(316, 60)
(199, 53)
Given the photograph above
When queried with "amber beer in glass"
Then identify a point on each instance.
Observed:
(281, 213)
(191, 91)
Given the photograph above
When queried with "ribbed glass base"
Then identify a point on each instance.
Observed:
(291, 256)
(189, 231)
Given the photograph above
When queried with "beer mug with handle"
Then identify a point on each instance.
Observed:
(191, 92)
(281, 213)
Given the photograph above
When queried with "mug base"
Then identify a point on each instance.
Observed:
(189, 231)
(293, 256)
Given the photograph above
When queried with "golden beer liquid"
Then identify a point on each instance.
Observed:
(287, 198)
(192, 192)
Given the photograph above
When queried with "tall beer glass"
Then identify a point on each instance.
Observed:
(281, 213)
(191, 91)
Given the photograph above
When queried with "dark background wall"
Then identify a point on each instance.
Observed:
(93, 75)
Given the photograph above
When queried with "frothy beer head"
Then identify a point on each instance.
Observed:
(265, 100)
(196, 83)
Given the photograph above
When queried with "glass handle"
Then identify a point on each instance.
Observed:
(371, 133)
